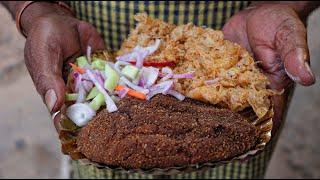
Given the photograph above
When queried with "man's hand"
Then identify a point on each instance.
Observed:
(50, 41)
(54, 36)
(277, 38)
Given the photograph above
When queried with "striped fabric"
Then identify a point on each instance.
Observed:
(253, 168)
(114, 20)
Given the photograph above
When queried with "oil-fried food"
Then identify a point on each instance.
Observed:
(225, 74)
(164, 132)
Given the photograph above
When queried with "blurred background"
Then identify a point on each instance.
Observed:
(29, 146)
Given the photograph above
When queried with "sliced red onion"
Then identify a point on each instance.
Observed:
(111, 106)
(126, 57)
(149, 76)
(99, 76)
(153, 93)
(87, 84)
(167, 85)
(185, 75)
(80, 114)
(103, 75)
(176, 94)
(142, 82)
(84, 77)
(89, 54)
(167, 73)
(140, 53)
(123, 92)
(75, 74)
(140, 56)
(82, 94)
(211, 82)
(133, 86)
(153, 48)
(162, 87)
(78, 82)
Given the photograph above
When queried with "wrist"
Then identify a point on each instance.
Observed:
(36, 11)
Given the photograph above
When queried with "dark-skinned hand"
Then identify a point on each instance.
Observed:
(277, 38)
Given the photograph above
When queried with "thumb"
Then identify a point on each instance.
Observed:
(45, 70)
(53, 90)
(291, 43)
(51, 87)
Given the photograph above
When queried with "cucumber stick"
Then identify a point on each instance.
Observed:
(97, 102)
(98, 64)
(93, 93)
(81, 61)
(130, 71)
(71, 96)
(112, 79)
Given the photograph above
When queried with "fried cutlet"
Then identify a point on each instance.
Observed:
(164, 132)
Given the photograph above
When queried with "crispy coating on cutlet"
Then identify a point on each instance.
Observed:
(239, 82)
(164, 132)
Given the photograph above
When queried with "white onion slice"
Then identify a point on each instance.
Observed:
(142, 81)
(111, 106)
(176, 94)
(153, 93)
(167, 72)
(149, 76)
(87, 84)
(84, 77)
(82, 94)
(166, 85)
(126, 57)
(100, 77)
(133, 86)
(140, 53)
(185, 75)
(80, 114)
(162, 87)
(140, 56)
(78, 82)
(153, 48)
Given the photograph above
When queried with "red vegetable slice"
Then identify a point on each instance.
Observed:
(156, 64)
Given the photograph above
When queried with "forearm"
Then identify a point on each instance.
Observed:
(303, 8)
(34, 11)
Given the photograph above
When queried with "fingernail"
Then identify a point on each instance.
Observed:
(56, 120)
(312, 78)
(50, 99)
(294, 78)
(307, 66)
